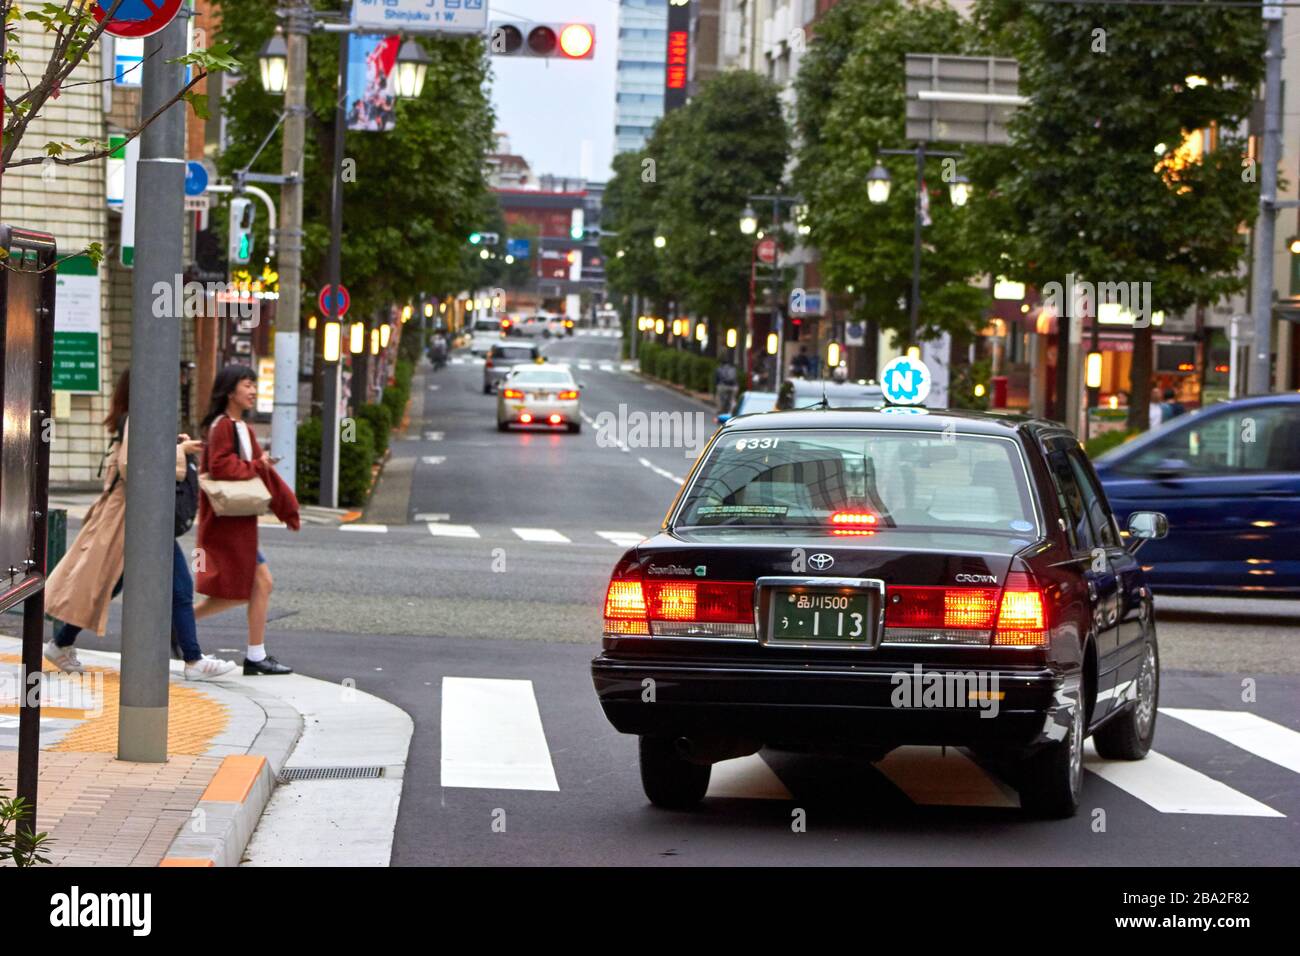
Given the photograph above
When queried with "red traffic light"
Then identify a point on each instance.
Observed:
(576, 41)
(541, 40)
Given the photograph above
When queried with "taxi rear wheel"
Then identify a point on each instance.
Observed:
(1128, 736)
(503, 426)
(1051, 779)
(575, 427)
(669, 780)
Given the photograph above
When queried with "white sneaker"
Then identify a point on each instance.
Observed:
(64, 658)
(208, 668)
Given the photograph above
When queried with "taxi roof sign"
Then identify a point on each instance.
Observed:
(905, 381)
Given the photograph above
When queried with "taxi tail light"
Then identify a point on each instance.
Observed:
(555, 419)
(513, 393)
(526, 419)
(625, 609)
(949, 609)
(1022, 613)
(568, 396)
(630, 605)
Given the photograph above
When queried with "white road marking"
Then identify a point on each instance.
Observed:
(746, 778)
(458, 361)
(1172, 787)
(627, 366)
(584, 366)
(624, 539)
(431, 516)
(541, 535)
(607, 366)
(1250, 732)
(371, 528)
(944, 777)
(434, 388)
(433, 459)
(433, 436)
(452, 531)
(661, 472)
(492, 736)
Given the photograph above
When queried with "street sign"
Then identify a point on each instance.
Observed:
(198, 203)
(905, 381)
(767, 250)
(855, 332)
(137, 18)
(344, 301)
(196, 179)
(421, 16)
(519, 248)
(960, 99)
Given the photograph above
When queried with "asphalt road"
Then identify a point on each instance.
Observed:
(484, 638)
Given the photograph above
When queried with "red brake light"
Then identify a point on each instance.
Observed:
(555, 419)
(853, 518)
(630, 606)
(568, 396)
(1022, 613)
(954, 609)
(525, 419)
(513, 393)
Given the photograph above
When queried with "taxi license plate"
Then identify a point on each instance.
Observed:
(810, 616)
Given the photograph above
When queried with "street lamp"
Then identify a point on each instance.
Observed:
(357, 338)
(879, 184)
(274, 62)
(428, 309)
(959, 191)
(660, 242)
(412, 68)
(749, 221)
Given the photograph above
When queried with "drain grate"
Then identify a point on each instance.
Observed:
(331, 773)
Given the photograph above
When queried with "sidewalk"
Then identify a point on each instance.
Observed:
(77, 503)
(230, 745)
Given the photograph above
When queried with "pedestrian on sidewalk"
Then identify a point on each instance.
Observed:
(84, 583)
(234, 570)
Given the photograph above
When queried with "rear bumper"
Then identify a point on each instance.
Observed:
(825, 705)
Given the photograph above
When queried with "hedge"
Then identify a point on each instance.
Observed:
(381, 424)
(355, 460)
(1106, 441)
(695, 372)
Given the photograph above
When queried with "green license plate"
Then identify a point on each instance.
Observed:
(809, 616)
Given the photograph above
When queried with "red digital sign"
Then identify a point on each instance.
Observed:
(679, 47)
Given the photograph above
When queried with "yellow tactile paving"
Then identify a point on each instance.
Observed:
(194, 719)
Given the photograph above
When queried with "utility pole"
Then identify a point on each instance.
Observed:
(288, 315)
(329, 446)
(1259, 368)
(155, 393)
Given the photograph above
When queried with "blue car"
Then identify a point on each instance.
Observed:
(1228, 478)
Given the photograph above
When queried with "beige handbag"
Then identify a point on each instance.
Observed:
(236, 499)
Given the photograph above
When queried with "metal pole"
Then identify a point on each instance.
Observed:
(329, 449)
(1259, 368)
(288, 315)
(776, 293)
(633, 331)
(914, 306)
(155, 389)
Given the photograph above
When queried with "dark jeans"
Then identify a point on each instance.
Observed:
(184, 628)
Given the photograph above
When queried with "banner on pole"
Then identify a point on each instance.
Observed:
(372, 83)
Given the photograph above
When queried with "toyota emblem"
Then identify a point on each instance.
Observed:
(820, 562)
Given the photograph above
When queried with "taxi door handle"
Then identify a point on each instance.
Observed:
(1092, 590)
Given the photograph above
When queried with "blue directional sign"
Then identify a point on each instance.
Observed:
(519, 248)
(196, 179)
(905, 381)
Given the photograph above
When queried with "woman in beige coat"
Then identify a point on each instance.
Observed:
(84, 583)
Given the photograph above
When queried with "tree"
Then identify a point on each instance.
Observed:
(629, 209)
(73, 32)
(1107, 176)
(851, 104)
(411, 196)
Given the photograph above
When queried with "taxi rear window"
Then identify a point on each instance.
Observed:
(861, 478)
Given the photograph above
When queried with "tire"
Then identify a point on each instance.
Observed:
(1051, 779)
(487, 389)
(503, 426)
(669, 780)
(1128, 735)
(575, 427)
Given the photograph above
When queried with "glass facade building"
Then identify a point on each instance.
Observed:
(642, 53)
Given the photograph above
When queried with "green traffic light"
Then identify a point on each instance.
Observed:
(475, 238)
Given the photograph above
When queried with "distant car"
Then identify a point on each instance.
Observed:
(505, 357)
(528, 326)
(554, 326)
(484, 333)
(1228, 478)
(855, 581)
(808, 392)
(545, 395)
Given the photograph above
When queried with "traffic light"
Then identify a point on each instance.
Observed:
(242, 214)
(577, 224)
(564, 41)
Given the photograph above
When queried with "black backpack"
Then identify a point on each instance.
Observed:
(187, 497)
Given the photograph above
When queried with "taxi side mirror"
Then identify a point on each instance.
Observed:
(1146, 526)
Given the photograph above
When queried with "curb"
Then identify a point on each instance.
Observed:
(226, 814)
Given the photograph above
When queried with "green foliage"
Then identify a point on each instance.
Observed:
(678, 366)
(419, 189)
(18, 846)
(1104, 442)
(962, 382)
(308, 471)
(851, 95)
(380, 420)
(356, 461)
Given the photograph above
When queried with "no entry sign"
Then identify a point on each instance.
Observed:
(344, 301)
(767, 250)
(137, 18)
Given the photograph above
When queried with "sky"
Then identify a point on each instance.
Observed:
(559, 113)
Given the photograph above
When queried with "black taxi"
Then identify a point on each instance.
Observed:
(854, 580)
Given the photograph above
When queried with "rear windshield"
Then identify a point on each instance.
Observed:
(513, 353)
(905, 479)
(541, 377)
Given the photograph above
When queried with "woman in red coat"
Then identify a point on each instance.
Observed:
(232, 569)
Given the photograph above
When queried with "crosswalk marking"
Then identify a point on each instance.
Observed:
(370, 528)
(944, 776)
(492, 736)
(1172, 787)
(440, 530)
(746, 778)
(624, 539)
(433, 436)
(541, 535)
(433, 459)
(1250, 732)
(584, 366)
(607, 366)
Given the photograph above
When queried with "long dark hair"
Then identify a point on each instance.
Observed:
(120, 404)
(227, 381)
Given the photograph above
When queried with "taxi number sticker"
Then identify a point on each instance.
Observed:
(756, 444)
(756, 510)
